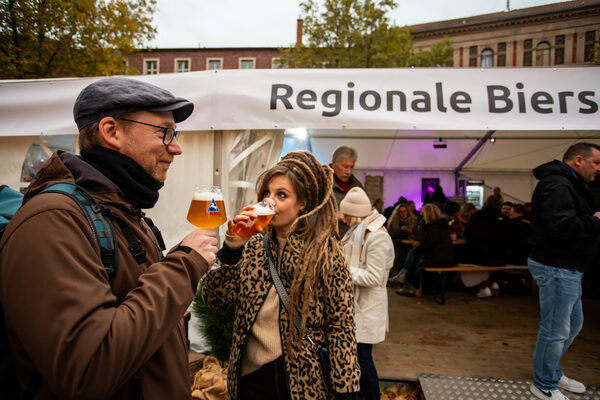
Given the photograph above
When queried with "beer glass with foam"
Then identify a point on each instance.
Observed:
(264, 211)
(207, 209)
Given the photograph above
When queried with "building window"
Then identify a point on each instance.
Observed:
(487, 58)
(527, 52)
(214, 63)
(473, 56)
(502, 54)
(542, 54)
(247, 63)
(182, 65)
(559, 49)
(277, 63)
(151, 66)
(590, 41)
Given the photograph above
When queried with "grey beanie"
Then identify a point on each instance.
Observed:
(114, 96)
(356, 203)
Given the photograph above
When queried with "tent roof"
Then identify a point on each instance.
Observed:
(392, 116)
(414, 150)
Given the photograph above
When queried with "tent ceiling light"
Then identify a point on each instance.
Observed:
(439, 144)
(300, 133)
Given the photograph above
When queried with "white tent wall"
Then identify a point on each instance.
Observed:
(516, 186)
(407, 183)
(247, 153)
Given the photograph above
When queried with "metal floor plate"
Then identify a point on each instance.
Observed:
(444, 387)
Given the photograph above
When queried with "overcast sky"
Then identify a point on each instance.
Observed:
(272, 23)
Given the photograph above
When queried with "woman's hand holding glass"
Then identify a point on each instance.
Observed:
(252, 219)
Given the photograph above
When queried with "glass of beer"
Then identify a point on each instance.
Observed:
(207, 209)
(264, 211)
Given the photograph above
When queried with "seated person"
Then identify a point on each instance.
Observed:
(387, 213)
(402, 225)
(517, 233)
(412, 208)
(378, 205)
(486, 235)
(466, 210)
(487, 239)
(451, 211)
(434, 249)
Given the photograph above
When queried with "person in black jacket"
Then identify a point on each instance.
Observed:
(565, 231)
(517, 232)
(486, 235)
(433, 250)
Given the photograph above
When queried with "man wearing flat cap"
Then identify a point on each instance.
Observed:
(75, 329)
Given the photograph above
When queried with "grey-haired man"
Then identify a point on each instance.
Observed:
(343, 161)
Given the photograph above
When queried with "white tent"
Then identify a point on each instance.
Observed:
(392, 117)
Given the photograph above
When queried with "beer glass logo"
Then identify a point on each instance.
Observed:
(212, 208)
(207, 209)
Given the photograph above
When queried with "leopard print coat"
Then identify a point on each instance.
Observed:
(244, 279)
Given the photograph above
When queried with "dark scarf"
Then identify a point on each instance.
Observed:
(140, 188)
(404, 221)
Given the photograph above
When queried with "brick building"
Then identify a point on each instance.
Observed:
(559, 34)
(157, 61)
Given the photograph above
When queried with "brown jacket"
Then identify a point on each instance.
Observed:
(71, 331)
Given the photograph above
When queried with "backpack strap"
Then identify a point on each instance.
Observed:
(156, 231)
(10, 202)
(96, 217)
(133, 243)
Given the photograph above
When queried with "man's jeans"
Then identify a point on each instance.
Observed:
(561, 319)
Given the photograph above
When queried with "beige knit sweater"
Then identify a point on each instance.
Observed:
(264, 342)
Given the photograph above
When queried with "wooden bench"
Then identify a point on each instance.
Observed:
(511, 269)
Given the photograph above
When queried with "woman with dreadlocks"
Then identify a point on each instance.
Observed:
(274, 356)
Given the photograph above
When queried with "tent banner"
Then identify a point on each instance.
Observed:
(398, 98)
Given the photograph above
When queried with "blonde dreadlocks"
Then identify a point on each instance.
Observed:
(317, 225)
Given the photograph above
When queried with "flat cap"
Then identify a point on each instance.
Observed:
(114, 96)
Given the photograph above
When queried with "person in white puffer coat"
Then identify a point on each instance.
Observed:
(369, 251)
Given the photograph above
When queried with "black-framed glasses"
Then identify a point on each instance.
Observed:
(168, 133)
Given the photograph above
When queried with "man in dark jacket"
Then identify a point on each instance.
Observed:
(342, 162)
(565, 231)
(75, 331)
(486, 235)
